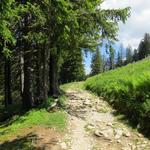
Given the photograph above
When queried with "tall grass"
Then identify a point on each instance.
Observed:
(128, 89)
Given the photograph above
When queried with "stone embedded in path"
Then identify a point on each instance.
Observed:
(63, 145)
(118, 141)
(118, 133)
(107, 133)
(109, 124)
(90, 127)
(125, 148)
(126, 134)
(99, 117)
(98, 133)
(87, 102)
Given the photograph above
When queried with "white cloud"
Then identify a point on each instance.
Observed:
(132, 32)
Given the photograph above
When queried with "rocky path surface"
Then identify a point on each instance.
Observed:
(93, 126)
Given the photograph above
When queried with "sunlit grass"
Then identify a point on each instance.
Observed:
(77, 86)
(36, 117)
(128, 89)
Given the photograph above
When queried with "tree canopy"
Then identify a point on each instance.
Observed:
(38, 35)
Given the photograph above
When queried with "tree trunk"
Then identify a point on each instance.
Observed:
(22, 72)
(27, 101)
(39, 91)
(41, 76)
(45, 60)
(7, 76)
(53, 76)
(26, 96)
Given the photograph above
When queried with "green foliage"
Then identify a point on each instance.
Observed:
(129, 55)
(37, 34)
(96, 64)
(120, 56)
(72, 68)
(6, 17)
(78, 86)
(144, 46)
(135, 55)
(128, 89)
(111, 57)
(119, 60)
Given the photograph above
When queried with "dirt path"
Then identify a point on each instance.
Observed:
(93, 126)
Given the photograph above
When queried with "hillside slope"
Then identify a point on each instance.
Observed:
(128, 89)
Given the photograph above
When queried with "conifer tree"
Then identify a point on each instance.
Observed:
(135, 55)
(72, 68)
(36, 34)
(144, 46)
(96, 64)
(111, 57)
(129, 55)
(119, 59)
(7, 14)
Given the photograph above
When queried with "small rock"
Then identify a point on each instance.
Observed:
(143, 145)
(87, 102)
(53, 105)
(63, 145)
(127, 134)
(90, 127)
(98, 133)
(118, 141)
(125, 148)
(107, 134)
(109, 124)
(145, 142)
(93, 109)
(139, 135)
(118, 133)
(130, 144)
(56, 100)
(133, 147)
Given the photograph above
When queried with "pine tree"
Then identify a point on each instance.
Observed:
(77, 21)
(72, 68)
(129, 55)
(104, 63)
(111, 57)
(6, 40)
(36, 34)
(135, 55)
(144, 46)
(96, 64)
(119, 60)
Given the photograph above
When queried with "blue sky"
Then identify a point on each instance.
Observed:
(133, 31)
(88, 56)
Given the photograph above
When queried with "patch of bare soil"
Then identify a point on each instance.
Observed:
(38, 137)
(47, 139)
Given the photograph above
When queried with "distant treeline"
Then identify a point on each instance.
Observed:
(119, 57)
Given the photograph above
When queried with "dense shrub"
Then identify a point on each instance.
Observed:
(128, 89)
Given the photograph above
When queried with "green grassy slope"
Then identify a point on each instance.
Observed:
(128, 89)
(14, 132)
(35, 117)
